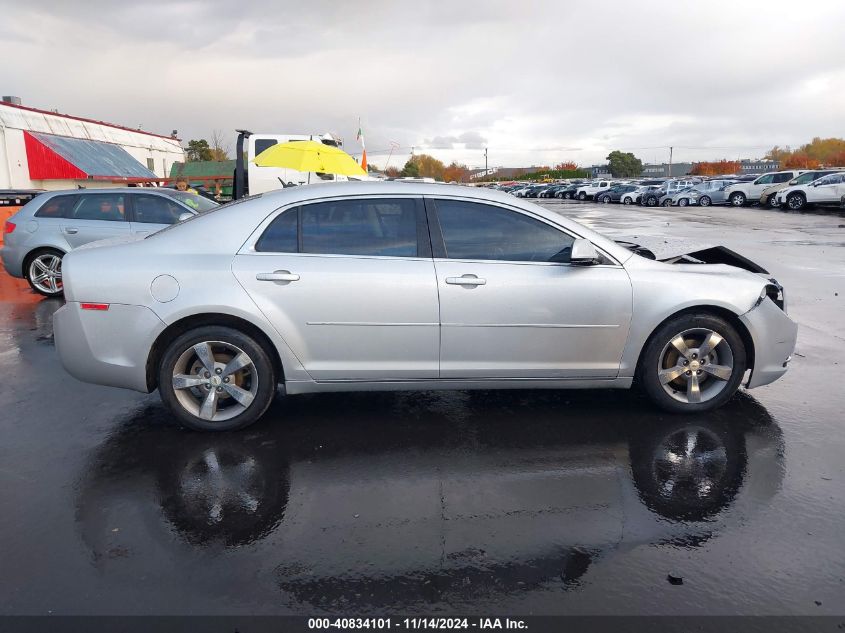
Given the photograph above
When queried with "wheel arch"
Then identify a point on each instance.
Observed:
(728, 315)
(187, 323)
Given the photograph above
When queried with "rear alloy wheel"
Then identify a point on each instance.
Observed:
(773, 201)
(683, 202)
(704, 201)
(796, 201)
(737, 199)
(627, 200)
(216, 379)
(693, 363)
(44, 272)
(582, 196)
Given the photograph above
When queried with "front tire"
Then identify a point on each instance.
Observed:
(683, 202)
(694, 362)
(651, 201)
(627, 200)
(737, 199)
(216, 379)
(796, 201)
(605, 200)
(43, 271)
(667, 202)
(705, 201)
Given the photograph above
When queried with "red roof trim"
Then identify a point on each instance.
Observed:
(45, 164)
(79, 118)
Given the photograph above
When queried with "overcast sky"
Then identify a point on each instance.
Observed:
(536, 82)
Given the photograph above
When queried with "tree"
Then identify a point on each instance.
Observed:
(424, 166)
(371, 167)
(716, 168)
(199, 150)
(392, 172)
(567, 165)
(219, 146)
(798, 160)
(411, 169)
(624, 164)
(456, 172)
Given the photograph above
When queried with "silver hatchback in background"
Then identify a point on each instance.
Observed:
(37, 237)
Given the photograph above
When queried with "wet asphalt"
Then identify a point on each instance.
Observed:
(532, 502)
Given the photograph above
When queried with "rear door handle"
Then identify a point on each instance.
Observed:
(277, 275)
(466, 280)
(71, 230)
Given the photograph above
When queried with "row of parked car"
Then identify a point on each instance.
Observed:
(794, 189)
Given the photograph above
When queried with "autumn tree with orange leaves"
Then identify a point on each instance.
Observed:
(456, 172)
(829, 152)
(716, 167)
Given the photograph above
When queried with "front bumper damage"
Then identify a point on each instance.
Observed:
(774, 335)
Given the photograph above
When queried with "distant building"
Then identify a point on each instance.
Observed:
(599, 171)
(758, 166)
(47, 150)
(661, 170)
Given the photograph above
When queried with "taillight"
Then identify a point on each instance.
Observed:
(9, 227)
(94, 306)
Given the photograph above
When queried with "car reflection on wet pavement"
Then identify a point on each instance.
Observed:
(474, 502)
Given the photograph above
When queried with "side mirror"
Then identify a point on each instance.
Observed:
(185, 216)
(583, 253)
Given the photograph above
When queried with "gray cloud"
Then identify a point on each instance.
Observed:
(534, 86)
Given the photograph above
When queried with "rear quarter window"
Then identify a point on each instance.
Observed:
(57, 207)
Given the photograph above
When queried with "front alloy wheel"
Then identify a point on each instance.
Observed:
(737, 199)
(796, 201)
(683, 202)
(216, 379)
(695, 362)
(704, 201)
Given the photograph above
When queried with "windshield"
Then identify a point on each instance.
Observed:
(803, 179)
(192, 200)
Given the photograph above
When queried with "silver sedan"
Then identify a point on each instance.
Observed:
(389, 286)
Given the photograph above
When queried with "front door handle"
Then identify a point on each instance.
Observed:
(71, 230)
(277, 275)
(466, 280)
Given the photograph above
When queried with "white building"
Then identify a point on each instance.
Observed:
(47, 150)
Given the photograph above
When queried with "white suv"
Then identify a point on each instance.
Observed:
(742, 192)
(590, 190)
(829, 189)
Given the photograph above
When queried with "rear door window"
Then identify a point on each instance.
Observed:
(57, 207)
(781, 178)
(102, 206)
(375, 227)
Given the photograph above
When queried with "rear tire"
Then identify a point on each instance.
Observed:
(43, 272)
(227, 379)
(627, 200)
(713, 350)
(582, 196)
